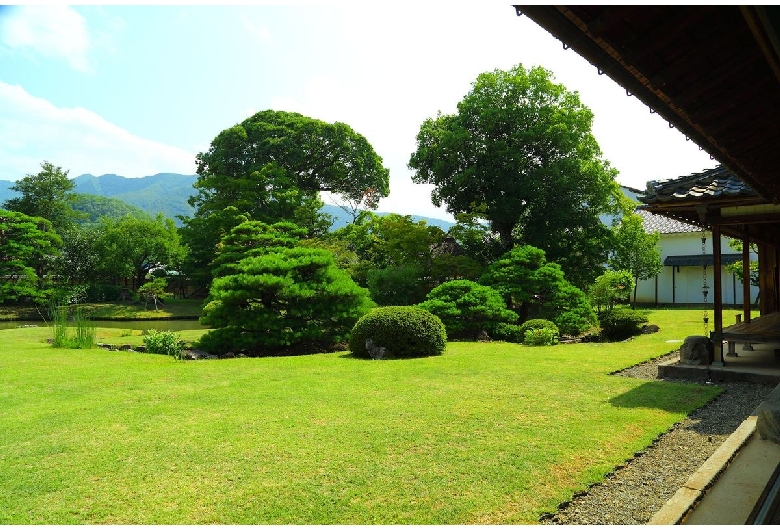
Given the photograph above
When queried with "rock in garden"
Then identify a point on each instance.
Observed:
(696, 350)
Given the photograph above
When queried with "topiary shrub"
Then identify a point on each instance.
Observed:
(548, 337)
(396, 332)
(621, 323)
(467, 308)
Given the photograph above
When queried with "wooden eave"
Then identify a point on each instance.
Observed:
(713, 72)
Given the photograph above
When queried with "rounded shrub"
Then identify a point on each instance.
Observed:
(396, 332)
(539, 332)
(540, 337)
(621, 323)
(467, 308)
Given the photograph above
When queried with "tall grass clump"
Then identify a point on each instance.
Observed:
(81, 335)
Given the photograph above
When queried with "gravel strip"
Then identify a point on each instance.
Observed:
(634, 492)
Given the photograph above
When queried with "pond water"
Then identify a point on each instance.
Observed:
(160, 325)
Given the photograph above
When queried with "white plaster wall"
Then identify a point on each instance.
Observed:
(683, 285)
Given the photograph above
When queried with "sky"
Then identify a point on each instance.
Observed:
(137, 90)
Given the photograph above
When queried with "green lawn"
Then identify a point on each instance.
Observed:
(486, 433)
(173, 308)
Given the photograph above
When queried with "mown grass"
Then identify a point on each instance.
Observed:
(173, 308)
(486, 433)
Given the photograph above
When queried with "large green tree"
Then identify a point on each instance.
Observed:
(272, 167)
(519, 153)
(271, 296)
(401, 260)
(131, 247)
(45, 194)
(635, 250)
(27, 249)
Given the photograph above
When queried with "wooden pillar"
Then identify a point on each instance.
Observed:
(717, 294)
(746, 276)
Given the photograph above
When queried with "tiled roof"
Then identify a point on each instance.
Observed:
(664, 225)
(715, 183)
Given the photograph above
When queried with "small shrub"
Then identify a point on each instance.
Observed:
(164, 343)
(508, 332)
(621, 323)
(396, 332)
(539, 323)
(540, 337)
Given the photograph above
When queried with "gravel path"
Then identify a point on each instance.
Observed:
(633, 493)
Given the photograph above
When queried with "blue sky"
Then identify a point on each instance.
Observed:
(140, 89)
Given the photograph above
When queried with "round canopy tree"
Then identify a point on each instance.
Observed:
(520, 154)
(272, 167)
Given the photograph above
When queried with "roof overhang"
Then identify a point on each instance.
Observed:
(713, 72)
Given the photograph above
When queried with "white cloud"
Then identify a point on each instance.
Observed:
(76, 139)
(51, 30)
(261, 33)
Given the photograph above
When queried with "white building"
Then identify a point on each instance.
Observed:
(682, 277)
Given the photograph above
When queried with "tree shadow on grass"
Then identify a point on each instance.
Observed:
(669, 397)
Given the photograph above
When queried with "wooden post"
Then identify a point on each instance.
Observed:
(746, 276)
(717, 289)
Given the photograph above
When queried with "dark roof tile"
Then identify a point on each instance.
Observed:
(715, 183)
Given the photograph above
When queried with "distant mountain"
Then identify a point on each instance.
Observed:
(168, 193)
(164, 192)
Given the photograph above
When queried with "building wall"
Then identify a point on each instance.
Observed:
(683, 285)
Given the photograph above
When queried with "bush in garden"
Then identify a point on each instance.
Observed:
(536, 324)
(540, 337)
(467, 308)
(621, 323)
(508, 332)
(395, 332)
(610, 288)
(164, 343)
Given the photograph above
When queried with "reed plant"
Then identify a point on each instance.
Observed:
(80, 335)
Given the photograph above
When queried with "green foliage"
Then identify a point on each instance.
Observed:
(272, 167)
(532, 286)
(81, 335)
(400, 260)
(102, 292)
(467, 308)
(45, 195)
(397, 285)
(519, 153)
(635, 250)
(610, 288)
(272, 298)
(621, 323)
(28, 246)
(396, 332)
(164, 343)
(508, 332)
(538, 323)
(153, 291)
(95, 207)
(571, 311)
(540, 337)
(132, 247)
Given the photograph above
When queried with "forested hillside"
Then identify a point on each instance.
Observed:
(168, 193)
